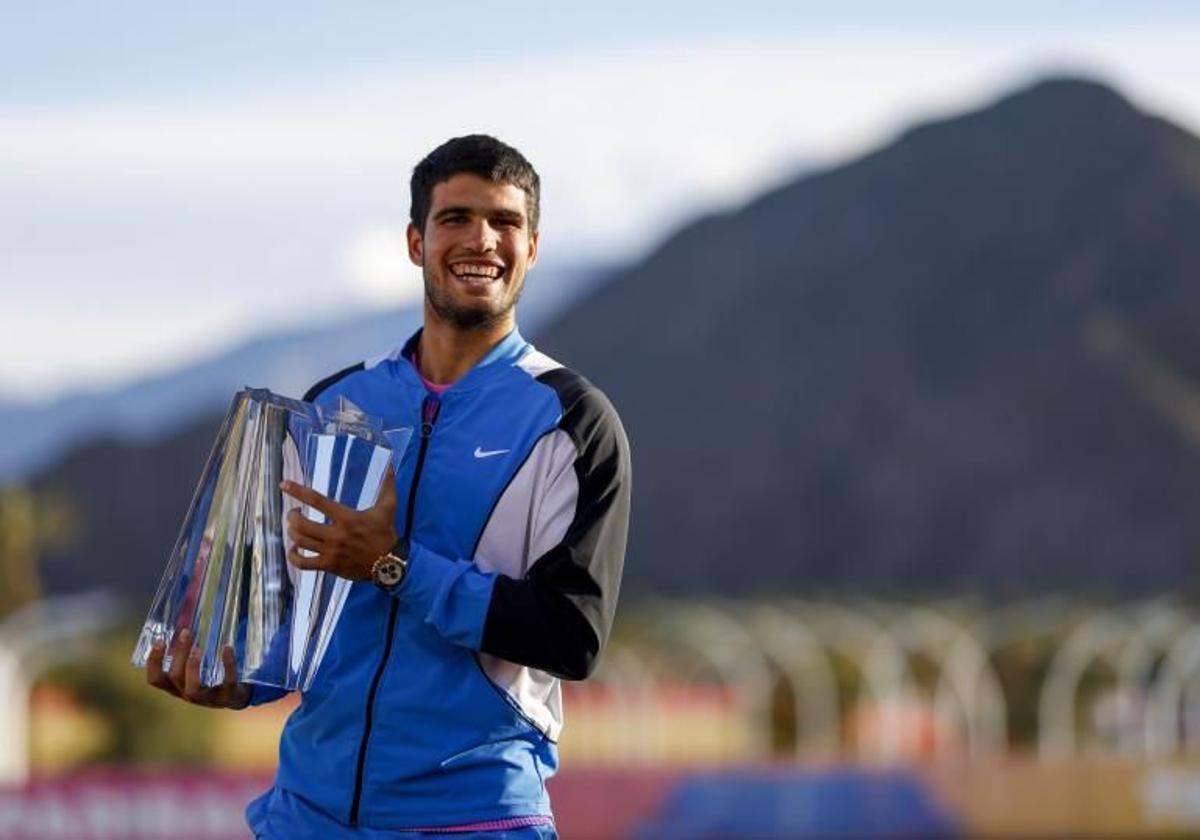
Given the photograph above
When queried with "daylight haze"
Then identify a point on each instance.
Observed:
(173, 183)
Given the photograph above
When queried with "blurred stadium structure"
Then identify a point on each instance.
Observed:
(33, 640)
(1037, 718)
(881, 682)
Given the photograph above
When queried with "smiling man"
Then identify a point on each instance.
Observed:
(487, 572)
(470, 285)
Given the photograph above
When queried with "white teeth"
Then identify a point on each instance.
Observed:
(473, 270)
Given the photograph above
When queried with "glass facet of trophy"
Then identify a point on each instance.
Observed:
(227, 578)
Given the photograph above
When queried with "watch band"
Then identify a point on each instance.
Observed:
(400, 549)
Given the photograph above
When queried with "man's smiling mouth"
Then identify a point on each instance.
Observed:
(476, 273)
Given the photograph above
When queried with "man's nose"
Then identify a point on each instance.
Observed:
(483, 235)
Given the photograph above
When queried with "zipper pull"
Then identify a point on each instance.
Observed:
(430, 407)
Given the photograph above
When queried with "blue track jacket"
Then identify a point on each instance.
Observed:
(439, 703)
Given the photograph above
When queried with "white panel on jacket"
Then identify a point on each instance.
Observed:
(531, 517)
(535, 363)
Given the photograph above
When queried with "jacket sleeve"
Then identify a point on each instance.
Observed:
(262, 694)
(557, 615)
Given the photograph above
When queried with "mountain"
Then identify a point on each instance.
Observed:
(287, 362)
(965, 362)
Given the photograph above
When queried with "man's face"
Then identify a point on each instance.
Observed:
(474, 251)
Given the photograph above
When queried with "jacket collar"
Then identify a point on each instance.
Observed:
(503, 355)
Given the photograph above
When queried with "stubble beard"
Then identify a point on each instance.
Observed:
(467, 317)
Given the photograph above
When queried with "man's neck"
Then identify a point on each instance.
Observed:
(446, 353)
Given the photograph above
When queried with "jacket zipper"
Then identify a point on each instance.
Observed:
(429, 412)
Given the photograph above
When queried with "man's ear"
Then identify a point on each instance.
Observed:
(533, 249)
(416, 245)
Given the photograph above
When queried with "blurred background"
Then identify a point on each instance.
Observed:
(898, 303)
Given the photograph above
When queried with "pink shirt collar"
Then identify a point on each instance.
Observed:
(433, 387)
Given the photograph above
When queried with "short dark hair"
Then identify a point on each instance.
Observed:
(478, 154)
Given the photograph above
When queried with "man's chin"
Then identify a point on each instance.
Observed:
(468, 311)
(471, 317)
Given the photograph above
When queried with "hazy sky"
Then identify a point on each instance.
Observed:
(174, 179)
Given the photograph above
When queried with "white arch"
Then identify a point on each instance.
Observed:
(990, 632)
(728, 649)
(803, 661)
(967, 691)
(14, 719)
(33, 639)
(1178, 669)
(1156, 625)
(881, 663)
(746, 659)
(1095, 637)
(632, 680)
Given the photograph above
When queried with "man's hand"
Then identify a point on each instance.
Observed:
(351, 541)
(183, 679)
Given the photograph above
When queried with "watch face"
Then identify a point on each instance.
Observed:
(389, 571)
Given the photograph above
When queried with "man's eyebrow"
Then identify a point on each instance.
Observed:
(509, 215)
(452, 211)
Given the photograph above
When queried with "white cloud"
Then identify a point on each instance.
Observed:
(289, 202)
(377, 267)
(92, 346)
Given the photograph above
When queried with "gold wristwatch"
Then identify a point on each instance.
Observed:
(388, 570)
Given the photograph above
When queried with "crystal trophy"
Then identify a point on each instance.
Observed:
(227, 578)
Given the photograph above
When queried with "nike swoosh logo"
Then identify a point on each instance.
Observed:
(480, 453)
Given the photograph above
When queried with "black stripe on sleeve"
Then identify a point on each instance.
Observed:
(557, 618)
(331, 380)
